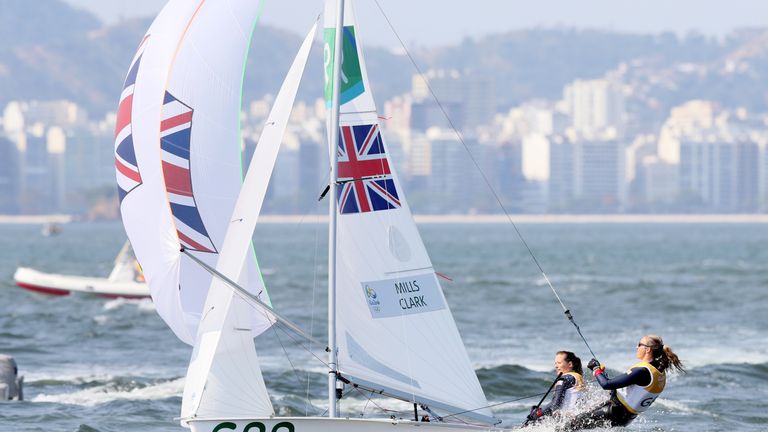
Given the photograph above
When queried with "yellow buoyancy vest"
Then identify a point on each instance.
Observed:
(637, 398)
(573, 394)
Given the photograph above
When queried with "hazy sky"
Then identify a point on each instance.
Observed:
(438, 22)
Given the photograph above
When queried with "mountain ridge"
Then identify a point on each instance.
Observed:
(65, 53)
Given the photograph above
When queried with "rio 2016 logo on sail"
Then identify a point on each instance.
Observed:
(373, 302)
(255, 427)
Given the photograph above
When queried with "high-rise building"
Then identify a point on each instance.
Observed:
(13, 118)
(62, 113)
(426, 114)
(509, 172)
(311, 176)
(56, 146)
(658, 182)
(9, 175)
(641, 155)
(469, 100)
(36, 192)
(720, 174)
(397, 112)
(762, 172)
(595, 106)
(560, 186)
(449, 183)
(691, 118)
(89, 164)
(587, 174)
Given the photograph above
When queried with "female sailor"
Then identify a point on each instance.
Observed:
(568, 390)
(633, 392)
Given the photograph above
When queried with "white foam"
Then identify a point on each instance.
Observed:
(676, 405)
(82, 374)
(144, 304)
(103, 394)
(713, 355)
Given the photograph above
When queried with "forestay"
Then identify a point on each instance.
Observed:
(178, 152)
(395, 331)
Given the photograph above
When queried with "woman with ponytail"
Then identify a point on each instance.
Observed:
(634, 392)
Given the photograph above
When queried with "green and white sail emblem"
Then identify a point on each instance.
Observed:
(351, 78)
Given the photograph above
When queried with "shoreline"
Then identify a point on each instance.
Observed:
(464, 219)
(35, 219)
(548, 218)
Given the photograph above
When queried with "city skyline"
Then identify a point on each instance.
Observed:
(666, 124)
(703, 158)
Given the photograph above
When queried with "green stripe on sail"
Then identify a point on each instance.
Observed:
(351, 75)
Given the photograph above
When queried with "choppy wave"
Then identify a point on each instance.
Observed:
(99, 392)
(682, 407)
(77, 374)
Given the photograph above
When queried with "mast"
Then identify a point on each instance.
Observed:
(333, 137)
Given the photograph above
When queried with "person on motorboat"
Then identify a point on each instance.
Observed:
(568, 390)
(634, 392)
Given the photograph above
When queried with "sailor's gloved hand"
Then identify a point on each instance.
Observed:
(595, 367)
(535, 413)
(593, 364)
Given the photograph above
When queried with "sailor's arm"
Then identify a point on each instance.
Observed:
(565, 382)
(636, 376)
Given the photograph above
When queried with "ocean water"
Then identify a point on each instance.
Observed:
(93, 364)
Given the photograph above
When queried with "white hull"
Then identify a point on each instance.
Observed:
(57, 284)
(325, 424)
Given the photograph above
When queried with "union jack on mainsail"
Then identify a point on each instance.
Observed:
(365, 179)
(128, 176)
(175, 138)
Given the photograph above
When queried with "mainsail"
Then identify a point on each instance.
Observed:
(395, 331)
(178, 153)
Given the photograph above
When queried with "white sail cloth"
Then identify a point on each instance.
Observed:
(395, 330)
(178, 152)
(224, 378)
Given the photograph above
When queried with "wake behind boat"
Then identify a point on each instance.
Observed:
(126, 280)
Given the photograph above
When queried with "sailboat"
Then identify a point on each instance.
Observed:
(190, 216)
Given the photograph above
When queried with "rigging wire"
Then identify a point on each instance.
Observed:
(300, 344)
(312, 313)
(293, 367)
(362, 413)
(495, 404)
(386, 410)
(246, 295)
(253, 301)
(566, 310)
(370, 399)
